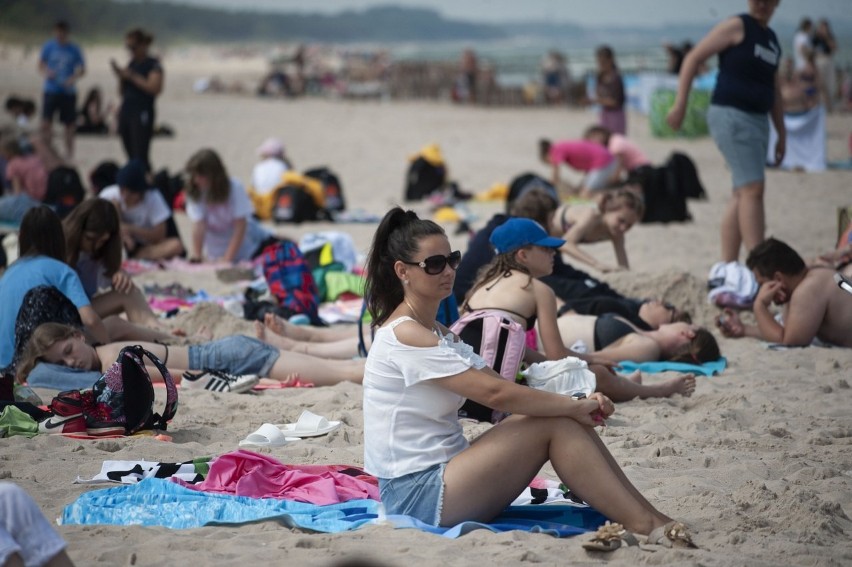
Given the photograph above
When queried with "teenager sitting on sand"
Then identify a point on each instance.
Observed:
(94, 251)
(615, 213)
(237, 356)
(509, 284)
(617, 339)
(590, 158)
(814, 307)
(417, 376)
(626, 153)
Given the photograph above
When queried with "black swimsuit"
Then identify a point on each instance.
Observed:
(608, 329)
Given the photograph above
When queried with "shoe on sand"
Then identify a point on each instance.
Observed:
(610, 537)
(219, 381)
(63, 424)
(673, 534)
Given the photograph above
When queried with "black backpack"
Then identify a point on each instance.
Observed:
(423, 179)
(64, 190)
(525, 182)
(664, 199)
(169, 186)
(682, 172)
(293, 204)
(331, 188)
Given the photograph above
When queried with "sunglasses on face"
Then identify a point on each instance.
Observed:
(434, 265)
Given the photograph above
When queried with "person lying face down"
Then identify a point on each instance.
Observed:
(236, 355)
(813, 306)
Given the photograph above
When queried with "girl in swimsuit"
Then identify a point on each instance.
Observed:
(615, 214)
(509, 284)
(617, 339)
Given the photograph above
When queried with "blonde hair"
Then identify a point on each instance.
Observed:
(622, 198)
(45, 336)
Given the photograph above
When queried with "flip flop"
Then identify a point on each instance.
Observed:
(610, 537)
(267, 435)
(673, 534)
(309, 425)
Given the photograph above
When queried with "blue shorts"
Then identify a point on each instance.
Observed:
(65, 104)
(419, 494)
(743, 139)
(237, 354)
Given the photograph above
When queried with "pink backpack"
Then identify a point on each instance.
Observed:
(500, 341)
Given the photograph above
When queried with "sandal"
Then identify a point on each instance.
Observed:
(610, 537)
(673, 534)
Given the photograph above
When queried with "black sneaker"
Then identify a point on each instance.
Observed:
(219, 381)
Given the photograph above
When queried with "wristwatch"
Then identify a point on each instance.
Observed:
(578, 396)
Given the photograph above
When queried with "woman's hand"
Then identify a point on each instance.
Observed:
(121, 282)
(730, 325)
(593, 410)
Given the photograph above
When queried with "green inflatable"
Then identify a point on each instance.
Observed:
(695, 121)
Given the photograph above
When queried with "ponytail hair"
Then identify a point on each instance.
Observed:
(397, 238)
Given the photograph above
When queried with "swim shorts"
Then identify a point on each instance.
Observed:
(743, 139)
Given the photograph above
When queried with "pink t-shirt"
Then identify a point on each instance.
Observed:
(580, 154)
(31, 173)
(630, 154)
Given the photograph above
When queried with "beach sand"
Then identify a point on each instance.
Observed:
(757, 461)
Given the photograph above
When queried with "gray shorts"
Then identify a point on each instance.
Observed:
(743, 139)
(24, 529)
(419, 494)
(237, 354)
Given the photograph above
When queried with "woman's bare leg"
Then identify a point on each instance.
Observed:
(340, 349)
(133, 304)
(478, 485)
(165, 250)
(123, 330)
(319, 371)
(621, 389)
(307, 333)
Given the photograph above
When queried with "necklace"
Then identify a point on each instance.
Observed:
(416, 315)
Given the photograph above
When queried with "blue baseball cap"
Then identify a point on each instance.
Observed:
(519, 232)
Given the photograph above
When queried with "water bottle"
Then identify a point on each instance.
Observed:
(26, 394)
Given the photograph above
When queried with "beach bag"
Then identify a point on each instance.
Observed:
(566, 376)
(299, 199)
(663, 195)
(123, 398)
(331, 188)
(424, 178)
(682, 173)
(64, 190)
(289, 278)
(526, 182)
(501, 342)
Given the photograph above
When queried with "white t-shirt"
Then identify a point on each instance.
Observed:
(150, 212)
(801, 43)
(266, 175)
(410, 423)
(220, 218)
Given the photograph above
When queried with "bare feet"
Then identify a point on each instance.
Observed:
(273, 339)
(275, 324)
(635, 377)
(683, 384)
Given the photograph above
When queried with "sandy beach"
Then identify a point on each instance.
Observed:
(757, 461)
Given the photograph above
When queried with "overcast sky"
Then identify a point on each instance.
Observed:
(586, 12)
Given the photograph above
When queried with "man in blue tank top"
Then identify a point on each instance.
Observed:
(61, 62)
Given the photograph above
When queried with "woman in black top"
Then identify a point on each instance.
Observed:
(139, 84)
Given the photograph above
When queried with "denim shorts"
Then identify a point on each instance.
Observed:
(743, 139)
(598, 179)
(419, 494)
(237, 354)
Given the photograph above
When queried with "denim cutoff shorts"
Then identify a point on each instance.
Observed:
(743, 139)
(237, 355)
(419, 494)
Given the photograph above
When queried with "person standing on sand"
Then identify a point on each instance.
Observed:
(61, 62)
(747, 89)
(140, 82)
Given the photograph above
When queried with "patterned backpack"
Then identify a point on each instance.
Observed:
(290, 280)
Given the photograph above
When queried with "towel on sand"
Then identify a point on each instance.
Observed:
(706, 369)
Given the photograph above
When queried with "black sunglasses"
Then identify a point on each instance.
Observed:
(434, 265)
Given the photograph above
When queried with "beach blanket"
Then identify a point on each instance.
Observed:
(131, 472)
(806, 137)
(158, 502)
(706, 369)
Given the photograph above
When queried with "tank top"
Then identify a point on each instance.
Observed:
(747, 70)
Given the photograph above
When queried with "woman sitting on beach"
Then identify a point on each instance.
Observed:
(417, 376)
(94, 251)
(237, 356)
(615, 214)
(617, 339)
(510, 284)
(93, 118)
(223, 225)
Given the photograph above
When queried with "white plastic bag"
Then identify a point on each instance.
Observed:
(566, 376)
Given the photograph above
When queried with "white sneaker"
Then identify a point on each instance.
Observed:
(219, 381)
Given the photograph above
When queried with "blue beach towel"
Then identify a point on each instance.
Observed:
(706, 369)
(158, 502)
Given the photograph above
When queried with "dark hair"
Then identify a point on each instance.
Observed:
(702, 348)
(100, 217)
(61, 25)
(805, 23)
(536, 204)
(140, 36)
(13, 103)
(207, 162)
(41, 234)
(544, 149)
(603, 131)
(397, 238)
(772, 256)
(606, 51)
(12, 147)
